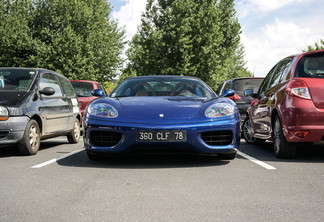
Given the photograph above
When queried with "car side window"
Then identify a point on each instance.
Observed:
(67, 87)
(279, 72)
(228, 85)
(219, 88)
(49, 80)
(103, 89)
(264, 85)
(218, 91)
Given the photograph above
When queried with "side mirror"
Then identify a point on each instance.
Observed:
(47, 91)
(249, 92)
(98, 92)
(227, 93)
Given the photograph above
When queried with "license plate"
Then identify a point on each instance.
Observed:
(161, 135)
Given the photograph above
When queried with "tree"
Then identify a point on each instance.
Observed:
(318, 45)
(188, 37)
(75, 38)
(16, 42)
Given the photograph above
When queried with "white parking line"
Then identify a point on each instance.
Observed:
(263, 164)
(57, 159)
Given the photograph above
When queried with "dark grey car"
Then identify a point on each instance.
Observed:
(36, 104)
(238, 85)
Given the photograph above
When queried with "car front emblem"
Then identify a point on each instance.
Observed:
(161, 115)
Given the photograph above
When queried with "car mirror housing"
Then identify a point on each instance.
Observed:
(227, 93)
(98, 92)
(47, 91)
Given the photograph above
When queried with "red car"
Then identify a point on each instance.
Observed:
(83, 89)
(289, 106)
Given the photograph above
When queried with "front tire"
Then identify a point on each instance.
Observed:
(74, 135)
(30, 142)
(282, 148)
(247, 133)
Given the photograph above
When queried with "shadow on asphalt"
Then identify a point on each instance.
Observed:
(8, 151)
(142, 161)
(306, 152)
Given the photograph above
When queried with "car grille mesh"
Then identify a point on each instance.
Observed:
(105, 138)
(4, 134)
(217, 138)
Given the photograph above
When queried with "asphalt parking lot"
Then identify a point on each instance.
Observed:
(61, 184)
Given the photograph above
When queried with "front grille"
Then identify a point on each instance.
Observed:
(4, 134)
(218, 138)
(105, 138)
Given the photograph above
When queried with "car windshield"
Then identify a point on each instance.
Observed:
(82, 89)
(163, 86)
(16, 79)
(243, 84)
(311, 66)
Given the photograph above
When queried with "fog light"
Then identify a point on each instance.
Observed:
(301, 133)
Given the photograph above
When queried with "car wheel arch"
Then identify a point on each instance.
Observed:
(39, 121)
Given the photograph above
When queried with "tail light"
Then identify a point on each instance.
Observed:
(298, 88)
(234, 97)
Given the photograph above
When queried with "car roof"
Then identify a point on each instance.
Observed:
(246, 78)
(89, 81)
(27, 68)
(164, 76)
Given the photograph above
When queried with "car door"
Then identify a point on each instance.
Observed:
(55, 109)
(258, 111)
(71, 99)
(267, 100)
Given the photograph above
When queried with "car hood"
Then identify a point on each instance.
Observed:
(161, 107)
(10, 98)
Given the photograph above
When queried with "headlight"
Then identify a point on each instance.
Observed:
(103, 110)
(219, 110)
(4, 114)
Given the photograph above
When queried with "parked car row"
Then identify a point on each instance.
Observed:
(174, 113)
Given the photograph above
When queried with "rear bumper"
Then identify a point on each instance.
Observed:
(302, 115)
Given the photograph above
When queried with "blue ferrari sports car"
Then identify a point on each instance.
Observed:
(162, 113)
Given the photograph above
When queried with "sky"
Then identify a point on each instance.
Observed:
(271, 30)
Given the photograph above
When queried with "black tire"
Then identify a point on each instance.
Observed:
(247, 133)
(230, 156)
(282, 148)
(30, 142)
(74, 135)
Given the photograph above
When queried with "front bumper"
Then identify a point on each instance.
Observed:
(194, 142)
(12, 130)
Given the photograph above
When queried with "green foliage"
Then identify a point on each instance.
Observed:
(318, 45)
(16, 42)
(75, 38)
(109, 86)
(188, 37)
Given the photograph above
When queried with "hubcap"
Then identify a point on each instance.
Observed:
(247, 131)
(33, 137)
(76, 130)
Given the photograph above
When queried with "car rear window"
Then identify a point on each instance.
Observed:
(311, 66)
(82, 89)
(243, 84)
